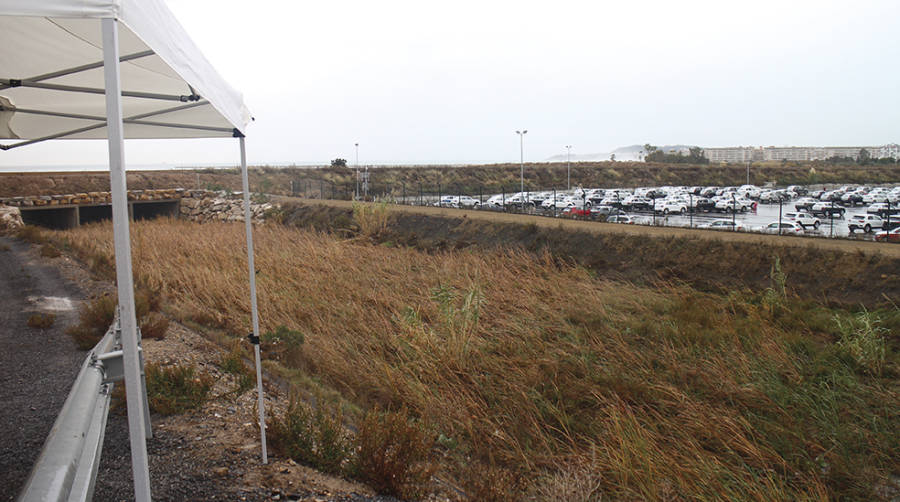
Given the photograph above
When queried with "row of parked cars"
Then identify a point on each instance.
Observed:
(810, 207)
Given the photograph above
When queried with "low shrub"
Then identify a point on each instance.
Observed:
(284, 344)
(494, 484)
(392, 454)
(177, 388)
(312, 437)
(50, 251)
(41, 321)
(862, 337)
(94, 319)
(233, 363)
(4, 247)
(31, 234)
(155, 326)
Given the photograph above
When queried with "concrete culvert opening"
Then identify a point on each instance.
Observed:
(92, 214)
(56, 218)
(151, 210)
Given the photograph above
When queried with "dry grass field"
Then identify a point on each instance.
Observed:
(537, 377)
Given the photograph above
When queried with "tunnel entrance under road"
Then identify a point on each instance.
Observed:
(59, 218)
(64, 217)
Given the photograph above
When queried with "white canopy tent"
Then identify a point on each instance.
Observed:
(116, 70)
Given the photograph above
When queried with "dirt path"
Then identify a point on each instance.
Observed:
(845, 245)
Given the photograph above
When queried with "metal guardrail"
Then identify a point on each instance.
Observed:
(66, 469)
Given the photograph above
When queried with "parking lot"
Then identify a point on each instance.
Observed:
(795, 210)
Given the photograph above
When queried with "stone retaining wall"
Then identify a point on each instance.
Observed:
(204, 206)
(195, 205)
(92, 198)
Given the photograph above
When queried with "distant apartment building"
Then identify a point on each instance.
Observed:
(743, 154)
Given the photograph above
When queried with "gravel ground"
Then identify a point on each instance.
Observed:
(38, 367)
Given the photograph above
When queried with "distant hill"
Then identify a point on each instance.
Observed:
(632, 152)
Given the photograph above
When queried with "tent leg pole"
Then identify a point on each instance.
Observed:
(124, 279)
(254, 312)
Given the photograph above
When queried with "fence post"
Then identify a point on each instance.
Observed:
(480, 195)
(503, 197)
(887, 237)
(831, 213)
(780, 203)
(554, 202)
(440, 203)
(733, 210)
(691, 208)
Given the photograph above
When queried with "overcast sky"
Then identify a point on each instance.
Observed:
(450, 82)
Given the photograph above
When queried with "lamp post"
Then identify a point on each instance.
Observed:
(568, 167)
(356, 195)
(522, 134)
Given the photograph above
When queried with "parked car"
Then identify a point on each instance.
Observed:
(621, 218)
(637, 202)
(864, 222)
(783, 228)
(888, 235)
(797, 189)
(804, 219)
(827, 209)
(495, 201)
(666, 206)
(723, 225)
(728, 205)
(882, 209)
(852, 198)
(805, 204)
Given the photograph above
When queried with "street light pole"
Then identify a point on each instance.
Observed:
(357, 171)
(522, 163)
(568, 167)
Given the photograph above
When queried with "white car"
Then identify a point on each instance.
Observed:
(734, 226)
(783, 228)
(864, 222)
(495, 201)
(728, 205)
(666, 206)
(804, 219)
(621, 218)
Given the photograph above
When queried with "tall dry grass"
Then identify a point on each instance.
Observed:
(527, 365)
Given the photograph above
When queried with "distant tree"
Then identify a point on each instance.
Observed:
(612, 157)
(864, 157)
(339, 162)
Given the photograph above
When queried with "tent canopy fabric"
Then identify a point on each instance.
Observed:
(52, 81)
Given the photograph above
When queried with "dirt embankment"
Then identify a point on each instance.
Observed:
(837, 272)
(340, 182)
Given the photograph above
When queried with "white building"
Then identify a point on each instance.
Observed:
(743, 154)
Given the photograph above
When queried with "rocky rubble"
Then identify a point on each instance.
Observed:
(10, 219)
(204, 206)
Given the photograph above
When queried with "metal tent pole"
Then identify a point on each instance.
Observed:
(124, 281)
(254, 338)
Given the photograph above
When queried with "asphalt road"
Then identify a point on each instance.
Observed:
(37, 366)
